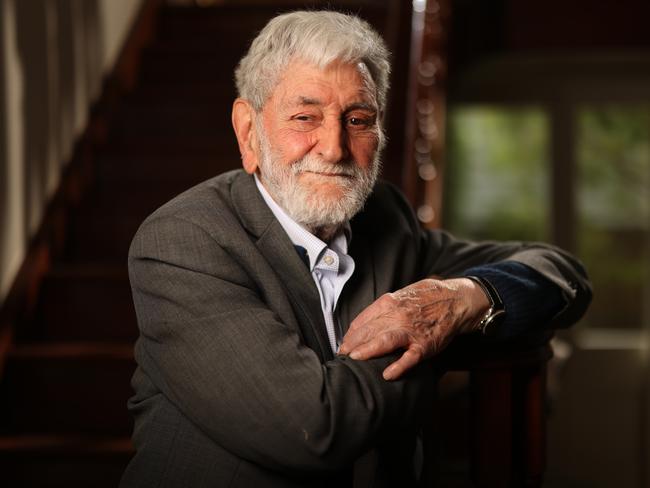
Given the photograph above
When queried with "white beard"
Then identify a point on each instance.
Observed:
(306, 205)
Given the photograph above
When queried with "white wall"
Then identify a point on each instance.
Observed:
(53, 57)
(116, 16)
(12, 210)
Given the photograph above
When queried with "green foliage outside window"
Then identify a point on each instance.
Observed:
(498, 173)
(613, 197)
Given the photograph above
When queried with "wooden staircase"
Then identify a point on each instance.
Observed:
(66, 376)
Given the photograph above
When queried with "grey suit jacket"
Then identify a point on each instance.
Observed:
(236, 384)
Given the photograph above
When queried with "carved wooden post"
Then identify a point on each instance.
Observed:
(425, 128)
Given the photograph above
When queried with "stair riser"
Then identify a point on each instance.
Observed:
(176, 146)
(204, 122)
(102, 239)
(157, 176)
(84, 309)
(231, 27)
(28, 470)
(216, 96)
(209, 73)
(67, 395)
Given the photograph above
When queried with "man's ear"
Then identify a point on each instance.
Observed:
(243, 121)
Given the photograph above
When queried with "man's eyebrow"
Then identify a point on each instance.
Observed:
(361, 106)
(302, 101)
(308, 101)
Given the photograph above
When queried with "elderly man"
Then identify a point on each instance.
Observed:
(288, 311)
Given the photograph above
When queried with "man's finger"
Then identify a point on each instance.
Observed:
(382, 344)
(353, 339)
(409, 359)
(363, 333)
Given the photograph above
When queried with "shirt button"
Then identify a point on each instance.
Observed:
(328, 260)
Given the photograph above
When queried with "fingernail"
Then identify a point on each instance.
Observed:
(355, 355)
(388, 375)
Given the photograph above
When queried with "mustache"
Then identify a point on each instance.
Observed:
(316, 165)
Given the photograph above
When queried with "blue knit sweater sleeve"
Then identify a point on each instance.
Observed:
(530, 300)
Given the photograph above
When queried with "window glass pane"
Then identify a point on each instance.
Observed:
(497, 173)
(613, 208)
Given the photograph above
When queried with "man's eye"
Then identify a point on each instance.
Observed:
(359, 121)
(303, 118)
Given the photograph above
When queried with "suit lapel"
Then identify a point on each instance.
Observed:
(278, 250)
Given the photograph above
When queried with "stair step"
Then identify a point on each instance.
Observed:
(195, 68)
(101, 238)
(135, 197)
(162, 120)
(186, 145)
(66, 444)
(83, 303)
(201, 94)
(242, 22)
(228, 21)
(157, 176)
(63, 461)
(101, 228)
(67, 388)
(210, 45)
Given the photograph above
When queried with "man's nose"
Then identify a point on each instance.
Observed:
(332, 143)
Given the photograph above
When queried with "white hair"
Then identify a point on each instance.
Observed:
(315, 37)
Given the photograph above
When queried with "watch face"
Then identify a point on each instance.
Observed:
(491, 321)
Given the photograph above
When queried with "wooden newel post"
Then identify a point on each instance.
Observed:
(508, 435)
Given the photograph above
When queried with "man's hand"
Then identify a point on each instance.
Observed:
(421, 318)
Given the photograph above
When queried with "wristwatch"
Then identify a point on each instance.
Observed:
(497, 310)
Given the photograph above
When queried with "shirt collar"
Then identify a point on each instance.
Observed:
(299, 234)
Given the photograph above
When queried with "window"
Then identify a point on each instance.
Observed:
(613, 211)
(559, 149)
(499, 186)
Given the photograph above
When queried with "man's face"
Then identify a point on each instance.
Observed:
(318, 140)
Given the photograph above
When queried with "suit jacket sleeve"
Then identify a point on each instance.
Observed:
(438, 253)
(549, 263)
(222, 356)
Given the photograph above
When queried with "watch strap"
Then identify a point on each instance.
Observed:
(497, 307)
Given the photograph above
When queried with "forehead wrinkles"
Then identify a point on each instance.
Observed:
(287, 90)
(361, 103)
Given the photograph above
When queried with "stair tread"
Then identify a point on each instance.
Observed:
(78, 388)
(72, 351)
(169, 145)
(172, 92)
(65, 443)
(89, 270)
(81, 304)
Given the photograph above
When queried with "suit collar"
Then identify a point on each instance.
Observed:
(253, 212)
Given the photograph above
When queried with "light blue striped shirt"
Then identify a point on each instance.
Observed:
(330, 266)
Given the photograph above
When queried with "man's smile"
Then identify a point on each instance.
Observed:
(328, 174)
